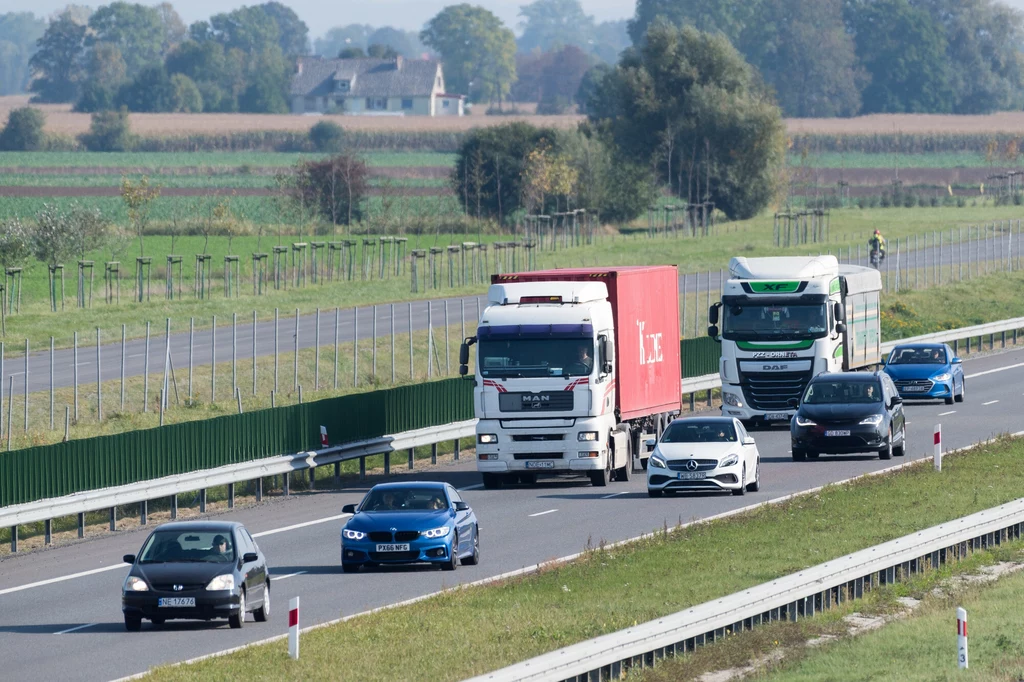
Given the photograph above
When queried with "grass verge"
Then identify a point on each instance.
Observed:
(608, 590)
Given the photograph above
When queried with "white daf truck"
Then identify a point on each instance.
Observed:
(785, 320)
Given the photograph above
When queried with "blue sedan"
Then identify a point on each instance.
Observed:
(408, 523)
(927, 371)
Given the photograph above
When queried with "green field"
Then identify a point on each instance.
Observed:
(890, 160)
(167, 180)
(612, 589)
(157, 160)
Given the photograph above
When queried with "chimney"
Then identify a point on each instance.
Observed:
(398, 63)
(299, 67)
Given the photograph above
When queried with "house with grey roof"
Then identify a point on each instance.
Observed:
(397, 87)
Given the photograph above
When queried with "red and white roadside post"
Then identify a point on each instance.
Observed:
(938, 447)
(293, 628)
(323, 436)
(961, 637)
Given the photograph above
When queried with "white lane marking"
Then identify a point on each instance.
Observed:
(549, 511)
(943, 414)
(275, 578)
(614, 495)
(42, 583)
(300, 525)
(72, 576)
(993, 371)
(80, 627)
(536, 568)
(991, 402)
(472, 487)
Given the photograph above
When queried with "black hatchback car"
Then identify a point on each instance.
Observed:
(197, 570)
(849, 412)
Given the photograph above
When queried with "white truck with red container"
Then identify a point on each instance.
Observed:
(575, 368)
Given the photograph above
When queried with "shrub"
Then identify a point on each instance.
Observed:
(327, 136)
(336, 187)
(109, 131)
(553, 105)
(24, 130)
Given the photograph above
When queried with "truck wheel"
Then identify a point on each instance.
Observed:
(799, 455)
(599, 478)
(492, 481)
(527, 479)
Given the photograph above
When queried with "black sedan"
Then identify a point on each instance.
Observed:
(849, 412)
(197, 570)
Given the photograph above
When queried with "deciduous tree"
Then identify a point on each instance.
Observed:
(476, 49)
(57, 63)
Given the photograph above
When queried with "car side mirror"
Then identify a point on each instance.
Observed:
(896, 400)
(348, 509)
(838, 311)
(250, 557)
(793, 402)
(748, 440)
(957, 361)
(651, 443)
(128, 558)
(713, 314)
(840, 327)
(464, 353)
(606, 368)
(461, 506)
(713, 331)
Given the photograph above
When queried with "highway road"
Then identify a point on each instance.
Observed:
(349, 322)
(60, 612)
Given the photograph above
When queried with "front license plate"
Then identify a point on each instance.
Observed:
(393, 548)
(918, 389)
(540, 464)
(838, 432)
(178, 602)
(776, 416)
(691, 475)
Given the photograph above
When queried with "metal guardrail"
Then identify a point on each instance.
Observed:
(708, 382)
(107, 498)
(802, 594)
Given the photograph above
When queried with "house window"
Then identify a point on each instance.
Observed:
(444, 104)
(407, 104)
(376, 103)
(343, 86)
(309, 104)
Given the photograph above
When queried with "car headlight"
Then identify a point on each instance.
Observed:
(873, 420)
(487, 438)
(657, 460)
(134, 584)
(803, 421)
(586, 436)
(945, 376)
(352, 534)
(222, 582)
(729, 461)
(437, 532)
(730, 399)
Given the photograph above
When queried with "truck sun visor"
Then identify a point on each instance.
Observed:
(537, 331)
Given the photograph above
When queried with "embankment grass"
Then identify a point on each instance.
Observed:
(612, 589)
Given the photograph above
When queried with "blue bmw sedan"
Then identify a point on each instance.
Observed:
(407, 523)
(927, 371)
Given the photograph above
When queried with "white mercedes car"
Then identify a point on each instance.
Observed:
(704, 453)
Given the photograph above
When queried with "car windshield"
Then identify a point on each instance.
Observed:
(165, 546)
(404, 499)
(692, 431)
(827, 392)
(777, 322)
(933, 355)
(536, 357)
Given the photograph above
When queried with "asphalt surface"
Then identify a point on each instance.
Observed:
(53, 626)
(351, 323)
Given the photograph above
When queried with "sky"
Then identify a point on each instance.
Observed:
(321, 15)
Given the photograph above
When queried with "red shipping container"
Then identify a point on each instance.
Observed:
(645, 310)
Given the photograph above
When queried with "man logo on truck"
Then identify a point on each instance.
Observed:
(536, 398)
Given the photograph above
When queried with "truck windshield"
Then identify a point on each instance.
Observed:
(775, 321)
(526, 357)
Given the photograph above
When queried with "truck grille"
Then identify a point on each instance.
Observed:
(537, 455)
(773, 390)
(536, 437)
(543, 401)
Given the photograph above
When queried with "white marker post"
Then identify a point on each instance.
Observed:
(961, 637)
(323, 436)
(293, 628)
(938, 447)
